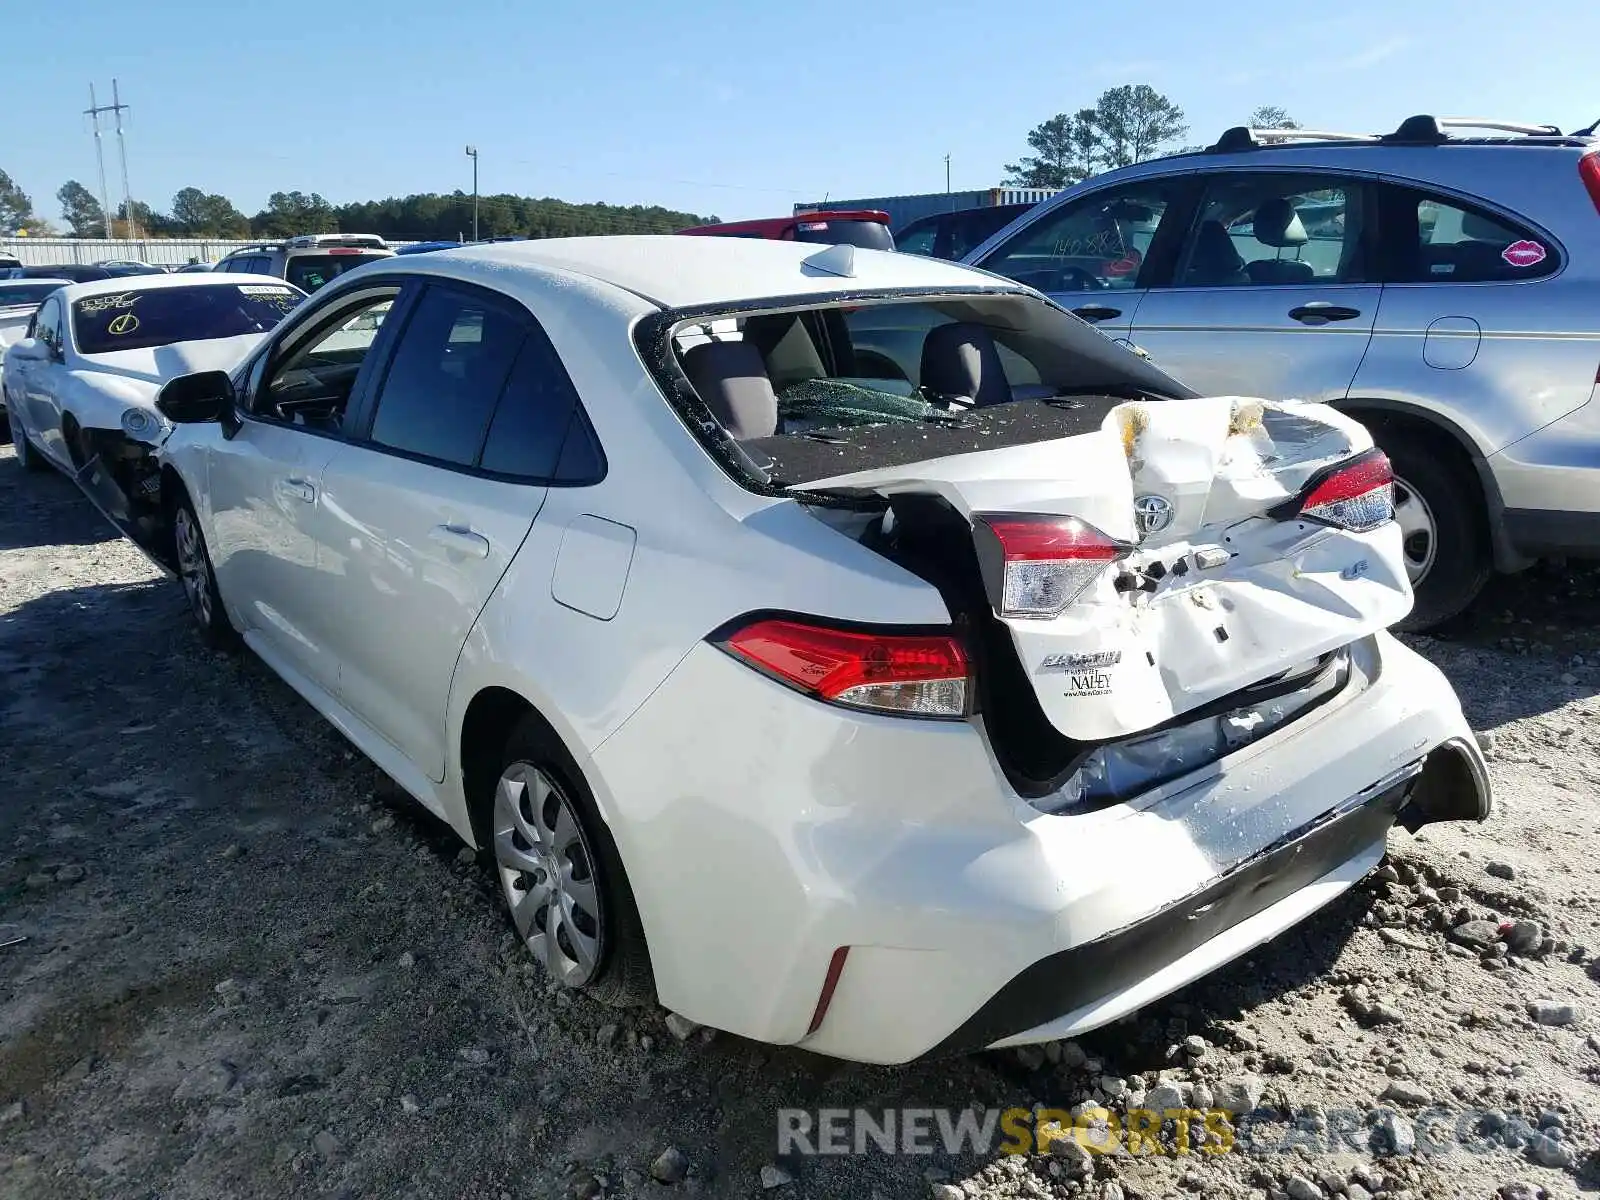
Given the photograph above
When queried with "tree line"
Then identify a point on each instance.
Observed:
(1127, 124)
(427, 216)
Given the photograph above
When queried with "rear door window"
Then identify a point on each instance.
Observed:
(1438, 240)
(449, 367)
(539, 431)
(1258, 229)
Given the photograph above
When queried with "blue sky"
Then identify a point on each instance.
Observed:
(738, 109)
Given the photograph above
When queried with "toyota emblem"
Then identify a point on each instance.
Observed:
(1153, 513)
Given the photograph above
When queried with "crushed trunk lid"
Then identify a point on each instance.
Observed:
(1193, 568)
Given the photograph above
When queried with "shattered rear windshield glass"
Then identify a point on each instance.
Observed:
(138, 319)
(844, 387)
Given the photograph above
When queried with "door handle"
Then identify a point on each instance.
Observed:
(1096, 312)
(299, 489)
(463, 541)
(1320, 312)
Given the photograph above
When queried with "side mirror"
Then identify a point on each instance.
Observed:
(196, 399)
(28, 350)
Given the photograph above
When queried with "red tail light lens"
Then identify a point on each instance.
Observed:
(1035, 565)
(1358, 495)
(915, 675)
(1589, 172)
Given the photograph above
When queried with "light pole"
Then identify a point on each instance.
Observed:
(947, 178)
(472, 153)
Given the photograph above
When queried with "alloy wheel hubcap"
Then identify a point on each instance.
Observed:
(547, 874)
(192, 567)
(1418, 530)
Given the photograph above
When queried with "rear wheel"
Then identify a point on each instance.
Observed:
(27, 456)
(561, 876)
(1441, 522)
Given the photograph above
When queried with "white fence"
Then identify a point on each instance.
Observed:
(42, 252)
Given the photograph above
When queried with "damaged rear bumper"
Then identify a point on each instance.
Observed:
(1101, 980)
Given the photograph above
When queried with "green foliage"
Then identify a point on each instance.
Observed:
(1270, 116)
(201, 214)
(434, 217)
(16, 206)
(81, 211)
(290, 213)
(425, 217)
(1127, 124)
(1065, 150)
(1135, 121)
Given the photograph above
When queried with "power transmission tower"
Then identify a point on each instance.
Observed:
(116, 108)
(93, 113)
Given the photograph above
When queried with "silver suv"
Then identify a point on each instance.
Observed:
(308, 261)
(1441, 283)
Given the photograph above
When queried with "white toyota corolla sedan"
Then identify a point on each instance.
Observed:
(80, 386)
(849, 649)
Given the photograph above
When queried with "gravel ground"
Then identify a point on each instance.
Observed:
(251, 970)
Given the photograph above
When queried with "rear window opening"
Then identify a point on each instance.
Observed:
(787, 395)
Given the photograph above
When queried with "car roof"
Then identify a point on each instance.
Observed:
(146, 283)
(680, 272)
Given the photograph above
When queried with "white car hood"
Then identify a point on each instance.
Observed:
(157, 364)
(1254, 595)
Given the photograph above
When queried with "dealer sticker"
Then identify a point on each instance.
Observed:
(1525, 253)
(260, 289)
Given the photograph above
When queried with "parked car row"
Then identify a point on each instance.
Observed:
(997, 681)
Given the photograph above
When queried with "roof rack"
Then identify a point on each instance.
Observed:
(255, 246)
(1418, 130)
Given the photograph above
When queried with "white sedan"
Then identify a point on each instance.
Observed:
(80, 387)
(847, 649)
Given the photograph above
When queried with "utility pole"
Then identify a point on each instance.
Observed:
(93, 113)
(116, 108)
(472, 153)
(947, 178)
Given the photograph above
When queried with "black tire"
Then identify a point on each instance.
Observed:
(199, 579)
(623, 978)
(1461, 562)
(27, 456)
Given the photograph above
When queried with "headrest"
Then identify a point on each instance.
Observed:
(1278, 224)
(732, 380)
(961, 359)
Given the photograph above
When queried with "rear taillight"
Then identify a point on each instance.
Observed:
(1036, 565)
(909, 674)
(1589, 172)
(1357, 495)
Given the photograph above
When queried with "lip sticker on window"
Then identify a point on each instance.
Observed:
(1524, 254)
